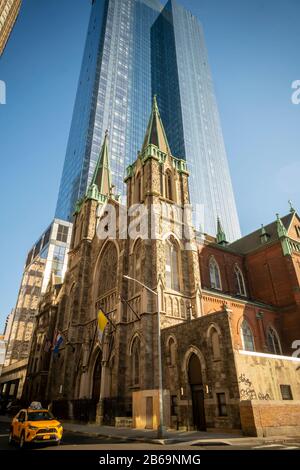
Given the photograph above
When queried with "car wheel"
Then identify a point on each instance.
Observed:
(10, 438)
(22, 443)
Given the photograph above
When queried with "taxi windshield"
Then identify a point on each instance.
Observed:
(40, 416)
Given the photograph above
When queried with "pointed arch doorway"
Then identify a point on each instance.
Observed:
(197, 392)
(97, 378)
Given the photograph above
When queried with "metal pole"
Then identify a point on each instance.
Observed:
(160, 428)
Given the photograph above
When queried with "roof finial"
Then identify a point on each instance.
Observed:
(221, 237)
(264, 236)
(281, 230)
(292, 209)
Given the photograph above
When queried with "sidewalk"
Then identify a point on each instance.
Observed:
(150, 436)
(172, 437)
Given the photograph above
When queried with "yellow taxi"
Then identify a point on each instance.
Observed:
(35, 426)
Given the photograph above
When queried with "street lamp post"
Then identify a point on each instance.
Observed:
(160, 429)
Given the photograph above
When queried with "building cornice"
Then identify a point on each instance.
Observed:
(240, 300)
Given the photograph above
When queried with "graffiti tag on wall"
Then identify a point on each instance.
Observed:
(247, 391)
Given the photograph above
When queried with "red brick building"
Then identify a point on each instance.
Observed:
(258, 277)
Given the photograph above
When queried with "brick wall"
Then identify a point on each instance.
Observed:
(226, 262)
(274, 418)
(269, 276)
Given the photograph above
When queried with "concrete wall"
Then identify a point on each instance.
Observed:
(263, 412)
(260, 375)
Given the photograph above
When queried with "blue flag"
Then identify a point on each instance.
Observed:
(58, 341)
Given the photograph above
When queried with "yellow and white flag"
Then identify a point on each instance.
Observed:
(102, 322)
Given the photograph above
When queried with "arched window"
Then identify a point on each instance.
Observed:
(135, 361)
(108, 269)
(182, 309)
(214, 274)
(177, 308)
(137, 265)
(172, 351)
(172, 278)
(239, 281)
(247, 337)
(169, 186)
(215, 342)
(138, 188)
(273, 341)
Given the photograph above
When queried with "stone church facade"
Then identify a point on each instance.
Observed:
(229, 313)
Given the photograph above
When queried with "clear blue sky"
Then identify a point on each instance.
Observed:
(253, 49)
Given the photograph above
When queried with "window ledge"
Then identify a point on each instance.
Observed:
(135, 387)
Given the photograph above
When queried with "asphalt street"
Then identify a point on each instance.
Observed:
(77, 441)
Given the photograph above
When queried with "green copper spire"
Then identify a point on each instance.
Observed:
(102, 174)
(283, 236)
(100, 188)
(155, 133)
(292, 209)
(221, 237)
(264, 236)
(281, 230)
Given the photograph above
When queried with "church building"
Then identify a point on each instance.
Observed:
(229, 314)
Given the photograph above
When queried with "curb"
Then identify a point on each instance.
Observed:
(170, 441)
(192, 443)
(123, 438)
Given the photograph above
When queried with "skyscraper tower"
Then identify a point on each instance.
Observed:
(9, 10)
(182, 81)
(114, 93)
(135, 49)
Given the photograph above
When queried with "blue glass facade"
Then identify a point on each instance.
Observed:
(114, 93)
(135, 49)
(181, 79)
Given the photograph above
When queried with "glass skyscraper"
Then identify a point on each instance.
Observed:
(182, 81)
(135, 49)
(114, 93)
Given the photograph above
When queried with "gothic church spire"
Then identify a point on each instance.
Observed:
(155, 133)
(102, 173)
